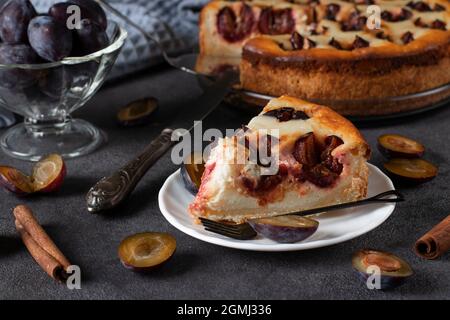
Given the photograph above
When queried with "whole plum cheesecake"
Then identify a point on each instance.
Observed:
(339, 51)
(317, 158)
(225, 26)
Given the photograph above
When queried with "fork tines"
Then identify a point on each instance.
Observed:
(237, 231)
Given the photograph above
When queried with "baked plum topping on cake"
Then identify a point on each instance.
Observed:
(336, 52)
(355, 22)
(319, 159)
(225, 26)
(276, 21)
(234, 27)
(332, 10)
(399, 15)
(286, 114)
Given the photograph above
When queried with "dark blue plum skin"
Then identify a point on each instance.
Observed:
(17, 54)
(15, 16)
(93, 11)
(283, 234)
(51, 40)
(89, 38)
(386, 282)
(188, 183)
(59, 12)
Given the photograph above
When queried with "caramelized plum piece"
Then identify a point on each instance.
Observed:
(439, 24)
(305, 150)
(438, 7)
(411, 170)
(260, 147)
(15, 181)
(355, 22)
(192, 171)
(360, 43)
(396, 17)
(137, 112)
(146, 251)
(407, 37)
(233, 28)
(419, 6)
(282, 114)
(48, 174)
(334, 43)
(286, 114)
(393, 270)
(276, 21)
(51, 40)
(331, 11)
(256, 183)
(15, 16)
(398, 146)
(332, 142)
(321, 176)
(285, 229)
(297, 41)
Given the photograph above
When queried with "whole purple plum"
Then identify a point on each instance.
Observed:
(50, 39)
(88, 10)
(93, 11)
(17, 54)
(15, 16)
(89, 38)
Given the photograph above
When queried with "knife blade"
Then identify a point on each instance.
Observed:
(111, 191)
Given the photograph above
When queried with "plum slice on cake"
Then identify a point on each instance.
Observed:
(312, 157)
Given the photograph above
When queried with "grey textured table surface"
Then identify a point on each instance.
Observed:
(200, 270)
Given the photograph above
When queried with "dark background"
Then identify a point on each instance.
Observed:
(198, 269)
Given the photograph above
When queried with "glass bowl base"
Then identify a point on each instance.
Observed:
(78, 138)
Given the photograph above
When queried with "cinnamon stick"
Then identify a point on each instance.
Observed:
(435, 242)
(39, 244)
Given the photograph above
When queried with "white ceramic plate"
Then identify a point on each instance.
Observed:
(335, 227)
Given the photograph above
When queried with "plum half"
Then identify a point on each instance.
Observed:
(285, 229)
(192, 171)
(15, 181)
(48, 174)
(137, 112)
(411, 170)
(146, 251)
(398, 146)
(393, 270)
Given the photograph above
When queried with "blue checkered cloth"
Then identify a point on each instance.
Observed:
(173, 22)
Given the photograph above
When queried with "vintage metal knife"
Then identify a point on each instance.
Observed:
(111, 191)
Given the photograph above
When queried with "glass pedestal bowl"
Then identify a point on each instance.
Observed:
(46, 94)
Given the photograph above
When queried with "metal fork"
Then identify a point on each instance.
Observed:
(244, 231)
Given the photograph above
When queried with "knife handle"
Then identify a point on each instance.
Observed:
(111, 191)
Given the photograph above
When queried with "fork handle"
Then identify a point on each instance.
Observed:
(379, 198)
(111, 191)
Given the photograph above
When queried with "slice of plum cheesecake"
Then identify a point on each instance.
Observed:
(294, 156)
